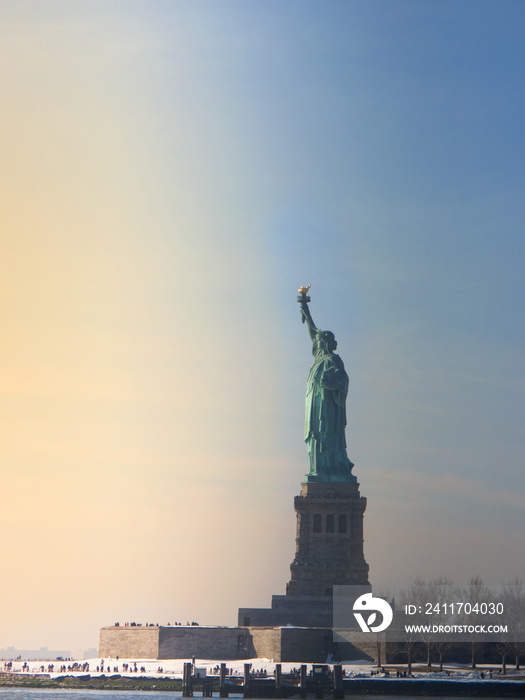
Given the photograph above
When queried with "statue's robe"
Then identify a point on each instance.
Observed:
(325, 419)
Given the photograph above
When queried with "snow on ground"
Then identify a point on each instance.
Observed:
(172, 668)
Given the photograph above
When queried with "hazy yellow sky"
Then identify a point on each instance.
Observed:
(171, 172)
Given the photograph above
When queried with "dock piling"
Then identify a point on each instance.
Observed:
(223, 690)
(187, 681)
(303, 682)
(278, 680)
(246, 684)
(338, 682)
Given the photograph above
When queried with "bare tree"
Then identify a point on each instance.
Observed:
(432, 601)
(503, 649)
(441, 591)
(475, 593)
(414, 595)
(378, 637)
(513, 599)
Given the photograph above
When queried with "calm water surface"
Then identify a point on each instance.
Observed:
(40, 694)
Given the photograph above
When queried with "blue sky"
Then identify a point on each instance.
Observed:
(172, 173)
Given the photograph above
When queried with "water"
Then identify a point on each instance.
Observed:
(60, 694)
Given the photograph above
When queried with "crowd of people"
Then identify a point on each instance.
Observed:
(156, 624)
(75, 667)
(217, 669)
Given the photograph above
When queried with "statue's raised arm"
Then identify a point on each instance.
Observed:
(326, 392)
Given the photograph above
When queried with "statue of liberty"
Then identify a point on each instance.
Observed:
(325, 416)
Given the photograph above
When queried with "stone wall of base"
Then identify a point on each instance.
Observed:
(266, 643)
(294, 644)
(218, 643)
(307, 645)
(129, 642)
(204, 643)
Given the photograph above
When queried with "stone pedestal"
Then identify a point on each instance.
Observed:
(329, 552)
(329, 542)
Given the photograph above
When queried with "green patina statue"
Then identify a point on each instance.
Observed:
(326, 392)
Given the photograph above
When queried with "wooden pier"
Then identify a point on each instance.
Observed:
(318, 683)
(323, 682)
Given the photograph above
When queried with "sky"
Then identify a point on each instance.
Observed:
(171, 173)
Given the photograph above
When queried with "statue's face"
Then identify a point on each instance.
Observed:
(327, 341)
